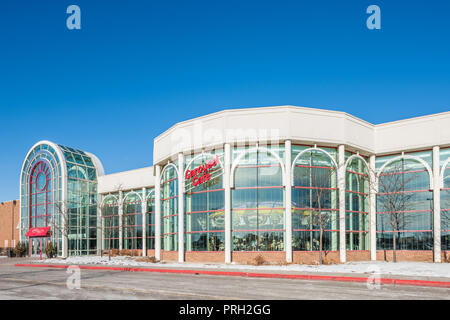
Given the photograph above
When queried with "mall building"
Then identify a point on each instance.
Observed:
(280, 182)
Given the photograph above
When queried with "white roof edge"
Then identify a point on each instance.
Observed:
(413, 119)
(128, 171)
(286, 107)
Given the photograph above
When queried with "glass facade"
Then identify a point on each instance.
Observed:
(314, 200)
(257, 202)
(57, 180)
(41, 191)
(81, 202)
(150, 212)
(132, 220)
(169, 208)
(445, 202)
(258, 208)
(110, 214)
(357, 205)
(47, 171)
(405, 206)
(204, 203)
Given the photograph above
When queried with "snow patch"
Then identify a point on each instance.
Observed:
(423, 269)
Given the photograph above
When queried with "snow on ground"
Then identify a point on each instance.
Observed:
(424, 269)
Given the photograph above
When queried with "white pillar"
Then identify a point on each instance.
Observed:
(65, 230)
(373, 186)
(288, 201)
(341, 187)
(100, 230)
(144, 223)
(436, 205)
(226, 185)
(158, 212)
(180, 208)
(120, 220)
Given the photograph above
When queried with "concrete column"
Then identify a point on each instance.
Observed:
(158, 212)
(288, 201)
(180, 208)
(120, 220)
(100, 229)
(373, 186)
(144, 223)
(65, 230)
(226, 185)
(436, 205)
(361, 201)
(341, 187)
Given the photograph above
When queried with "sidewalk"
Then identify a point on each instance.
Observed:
(258, 272)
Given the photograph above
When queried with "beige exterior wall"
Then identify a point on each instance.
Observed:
(127, 180)
(303, 125)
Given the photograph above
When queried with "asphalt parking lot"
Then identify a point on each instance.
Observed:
(47, 283)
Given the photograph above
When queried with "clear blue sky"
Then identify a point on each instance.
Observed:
(138, 67)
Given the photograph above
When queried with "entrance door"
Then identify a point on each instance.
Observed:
(36, 245)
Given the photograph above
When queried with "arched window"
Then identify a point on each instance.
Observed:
(132, 220)
(169, 208)
(357, 205)
(205, 216)
(404, 206)
(315, 202)
(41, 192)
(445, 201)
(71, 196)
(150, 219)
(111, 222)
(258, 203)
(41, 200)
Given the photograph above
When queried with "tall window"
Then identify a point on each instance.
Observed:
(41, 193)
(357, 205)
(40, 210)
(258, 203)
(315, 203)
(111, 222)
(445, 203)
(404, 207)
(169, 209)
(132, 221)
(205, 216)
(150, 219)
(82, 202)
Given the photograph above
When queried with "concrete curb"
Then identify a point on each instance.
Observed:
(421, 283)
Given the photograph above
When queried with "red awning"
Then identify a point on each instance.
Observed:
(38, 232)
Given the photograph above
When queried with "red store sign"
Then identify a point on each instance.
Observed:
(203, 170)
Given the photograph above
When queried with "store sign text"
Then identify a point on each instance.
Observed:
(203, 170)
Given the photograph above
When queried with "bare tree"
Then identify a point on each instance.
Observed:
(321, 187)
(393, 199)
(107, 220)
(445, 216)
(61, 223)
(107, 224)
(130, 221)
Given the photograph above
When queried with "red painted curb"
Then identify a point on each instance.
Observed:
(422, 283)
